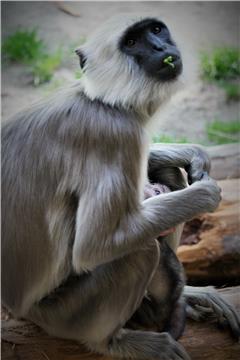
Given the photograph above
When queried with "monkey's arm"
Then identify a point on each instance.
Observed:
(95, 244)
(193, 158)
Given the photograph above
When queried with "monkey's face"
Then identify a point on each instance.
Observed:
(132, 62)
(150, 44)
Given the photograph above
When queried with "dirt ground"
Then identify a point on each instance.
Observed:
(196, 26)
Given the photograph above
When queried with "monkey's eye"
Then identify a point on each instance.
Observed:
(157, 192)
(156, 29)
(131, 42)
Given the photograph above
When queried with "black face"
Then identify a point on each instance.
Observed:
(151, 45)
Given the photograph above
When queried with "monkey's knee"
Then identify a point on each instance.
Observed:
(133, 274)
(117, 288)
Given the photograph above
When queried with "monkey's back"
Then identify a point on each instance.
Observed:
(29, 183)
(50, 157)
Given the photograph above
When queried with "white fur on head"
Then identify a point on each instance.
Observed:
(116, 78)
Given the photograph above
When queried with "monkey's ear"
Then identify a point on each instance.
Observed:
(82, 57)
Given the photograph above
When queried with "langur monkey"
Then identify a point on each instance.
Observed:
(78, 240)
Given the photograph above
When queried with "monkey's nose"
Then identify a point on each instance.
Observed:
(159, 47)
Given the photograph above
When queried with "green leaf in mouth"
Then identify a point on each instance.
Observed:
(168, 61)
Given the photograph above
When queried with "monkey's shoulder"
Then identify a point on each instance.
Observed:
(71, 112)
(95, 122)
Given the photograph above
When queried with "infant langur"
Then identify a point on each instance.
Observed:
(169, 312)
(78, 240)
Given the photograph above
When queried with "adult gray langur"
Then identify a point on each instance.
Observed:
(78, 241)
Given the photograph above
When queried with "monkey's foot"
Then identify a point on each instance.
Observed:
(204, 303)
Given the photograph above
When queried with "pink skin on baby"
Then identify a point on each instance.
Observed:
(151, 190)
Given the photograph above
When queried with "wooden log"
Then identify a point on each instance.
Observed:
(211, 250)
(22, 340)
(225, 160)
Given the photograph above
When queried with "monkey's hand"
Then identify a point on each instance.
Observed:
(205, 303)
(199, 164)
(208, 193)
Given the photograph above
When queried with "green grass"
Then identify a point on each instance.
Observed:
(169, 139)
(223, 132)
(23, 46)
(232, 90)
(222, 67)
(45, 66)
(221, 64)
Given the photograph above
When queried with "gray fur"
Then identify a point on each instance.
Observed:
(78, 248)
(205, 302)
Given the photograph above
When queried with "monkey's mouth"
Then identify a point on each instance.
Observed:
(171, 67)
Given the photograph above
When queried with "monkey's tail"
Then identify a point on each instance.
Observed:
(131, 344)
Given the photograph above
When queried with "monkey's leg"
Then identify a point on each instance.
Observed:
(93, 308)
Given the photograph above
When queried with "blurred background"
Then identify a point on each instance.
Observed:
(38, 57)
(38, 42)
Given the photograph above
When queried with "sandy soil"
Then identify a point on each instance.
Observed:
(196, 26)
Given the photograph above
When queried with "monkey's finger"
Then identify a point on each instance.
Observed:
(222, 310)
(196, 314)
(168, 348)
(174, 351)
(206, 313)
(229, 313)
(181, 352)
(217, 310)
(226, 308)
(206, 310)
